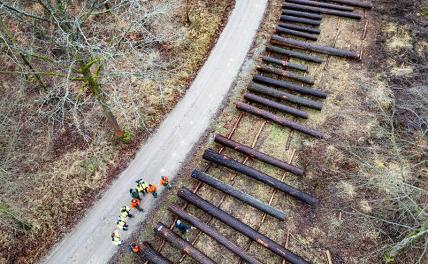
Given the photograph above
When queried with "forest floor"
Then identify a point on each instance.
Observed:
(50, 172)
(370, 172)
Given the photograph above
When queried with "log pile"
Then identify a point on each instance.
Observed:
(279, 89)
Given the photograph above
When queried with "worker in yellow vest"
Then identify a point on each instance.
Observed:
(115, 238)
(120, 222)
(141, 186)
(124, 212)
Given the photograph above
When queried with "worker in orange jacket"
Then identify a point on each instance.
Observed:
(135, 203)
(164, 181)
(152, 189)
(133, 247)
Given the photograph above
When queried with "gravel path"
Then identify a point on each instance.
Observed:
(164, 151)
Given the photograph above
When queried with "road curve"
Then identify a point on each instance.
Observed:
(164, 151)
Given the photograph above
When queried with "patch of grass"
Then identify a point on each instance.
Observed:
(5, 211)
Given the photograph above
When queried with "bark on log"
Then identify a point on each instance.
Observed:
(227, 162)
(302, 20)
(284, 63)
(286, 74)
(316, 48)
(257, 155)
(353, 3)
(182, 244)
(151, 255)
(322, 4)
(258, 88)
(278, 106)
(294, 54)
(243, 197)
(321, 10)
(290, 86)
(301, 14)
(292, 32)
(240, 227)
(278, 119)
(214, 234)
(299, 28)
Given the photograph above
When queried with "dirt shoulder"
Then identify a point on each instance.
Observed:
(369, 172)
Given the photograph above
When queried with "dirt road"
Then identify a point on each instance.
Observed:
(163, 153)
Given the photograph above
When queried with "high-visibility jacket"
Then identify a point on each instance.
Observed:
(152, 188)
(116, 238)
(164, 181)
(135, 203)
(116, 241)
(135, 249)
(124, 212)
(121, 224)
(141, 187)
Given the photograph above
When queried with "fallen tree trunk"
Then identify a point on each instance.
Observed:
(287, 31)
(278, 119)
(353, 3)
(232, 164)
(321, 10)
(151, 255)
(284, 63)
(295, 54)
(316, 48)
(289, 86)
(258, 88)
(278, 106)
(302, 20)
(213, 234)
(240, 227)
(182, 244)
(286, 74)
(301, 14)
(321, 4)
(257, 155)
(243, 197)
(299, 28)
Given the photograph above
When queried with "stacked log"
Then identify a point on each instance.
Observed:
(196, 222)
(151, 255)
(232, 164)
(243, 197)
(257, 155)
(316, 48)
(182, 244)
(240, 227)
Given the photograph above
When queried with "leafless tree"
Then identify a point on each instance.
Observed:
(70, 49)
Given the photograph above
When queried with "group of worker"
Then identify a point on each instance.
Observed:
(141, 188)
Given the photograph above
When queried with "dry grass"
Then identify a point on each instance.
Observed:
(51, 168)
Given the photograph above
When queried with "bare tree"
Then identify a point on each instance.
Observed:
(69, 55)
